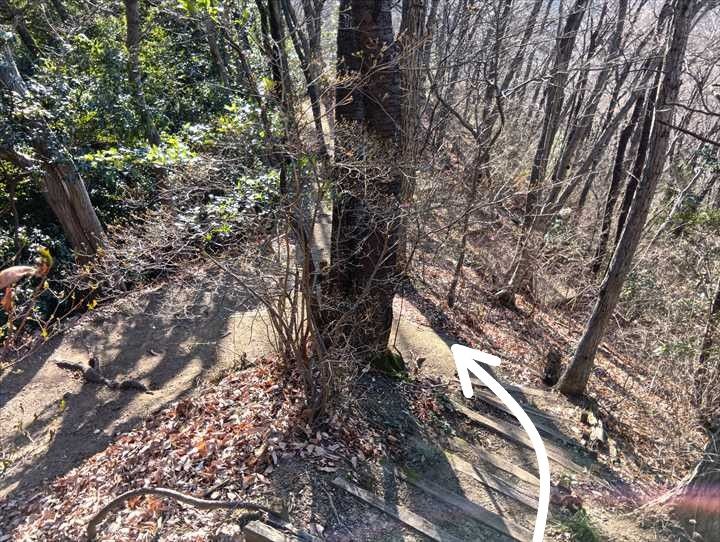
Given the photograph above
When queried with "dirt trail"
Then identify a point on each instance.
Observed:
(169, 337)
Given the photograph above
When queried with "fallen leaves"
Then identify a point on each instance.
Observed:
(235, 430)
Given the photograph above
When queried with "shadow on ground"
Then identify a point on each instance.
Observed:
(168, 337)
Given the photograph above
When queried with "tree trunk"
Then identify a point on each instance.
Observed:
(216, 56)
(411, 38)
(305, 55)
(63, 187)
(575, 378)
(641, 155)
(618, 172)
(554, 100)
(366, 216)
(582, 127)
(586, 170)
(132, 42)
(17, 19)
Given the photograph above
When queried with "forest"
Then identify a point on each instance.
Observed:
(360, 270)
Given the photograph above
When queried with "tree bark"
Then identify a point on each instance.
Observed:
(618, 172)
(17, 19)
(411, 52)
(363, 273)
(63, 187)
(132, 42)
(575, 378)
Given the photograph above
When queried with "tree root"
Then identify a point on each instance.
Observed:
(90, 374)
(202, 504)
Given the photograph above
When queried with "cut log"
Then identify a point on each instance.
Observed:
(517, 389)
(540, 419)
(531, 410)
(496, 461)
(411, 519)
(460, 465)
(475, 511)
(556, 454)
(257, 531)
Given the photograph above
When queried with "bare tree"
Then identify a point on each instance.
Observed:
(554, 100)
(308, 65)
(574, 379)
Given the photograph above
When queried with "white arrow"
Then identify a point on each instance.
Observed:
(465, 361)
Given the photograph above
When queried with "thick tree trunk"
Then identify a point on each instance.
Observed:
(132, 42)
(366, 216)
(411, 40)
(575, 378)
(63, 187)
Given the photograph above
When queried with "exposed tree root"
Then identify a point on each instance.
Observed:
(202, 504)
(90, 374)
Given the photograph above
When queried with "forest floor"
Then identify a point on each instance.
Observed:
(224, 420)
(169, 337)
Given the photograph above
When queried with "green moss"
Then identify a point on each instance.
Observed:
(389, 363)
(579, 527)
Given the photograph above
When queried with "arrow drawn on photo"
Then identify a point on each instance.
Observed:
(466, 362)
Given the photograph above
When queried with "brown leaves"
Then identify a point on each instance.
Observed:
(234, 431)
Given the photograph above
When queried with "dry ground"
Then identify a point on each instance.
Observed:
(170, 337)
(197, 327)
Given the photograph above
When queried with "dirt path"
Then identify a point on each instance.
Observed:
(168, 337)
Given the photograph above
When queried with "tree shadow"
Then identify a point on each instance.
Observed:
(550, 430)
(412, 455)
(166, 338)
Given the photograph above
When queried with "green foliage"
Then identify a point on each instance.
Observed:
(579, 527)
(705, 218)
(222, 215)
(80, 85)
(390, 363)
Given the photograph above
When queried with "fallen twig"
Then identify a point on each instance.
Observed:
(202, 504)
(90, 374)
